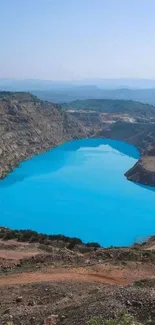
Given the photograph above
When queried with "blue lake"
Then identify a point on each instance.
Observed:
(79, 189)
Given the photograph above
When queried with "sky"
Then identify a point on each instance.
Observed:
(77, 39)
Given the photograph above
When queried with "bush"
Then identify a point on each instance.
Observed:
(45, 248)
(8, 235)
(32, 236)
(95, 245)
(71, 245)
(33, 239)
(27, 235)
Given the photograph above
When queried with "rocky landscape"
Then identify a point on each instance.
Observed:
(50, 282)
(29, 126)
(142, 135)
(57, 280)
(128, 121)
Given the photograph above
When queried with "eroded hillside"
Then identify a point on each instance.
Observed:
(29, 126)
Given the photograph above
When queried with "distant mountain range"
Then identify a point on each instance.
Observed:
(142, 90)
(93, 92)
(37, 84)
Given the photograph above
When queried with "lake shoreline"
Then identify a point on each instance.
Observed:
(137, 174)
(60, 183)
(32, 236)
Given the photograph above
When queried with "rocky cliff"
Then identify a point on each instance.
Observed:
(142, 135)
(143, 171)
(29, 126)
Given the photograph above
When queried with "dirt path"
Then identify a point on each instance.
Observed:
(35, 277)
(101, 274)
(16, 255)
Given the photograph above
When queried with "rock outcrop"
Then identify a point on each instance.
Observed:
(29, 126)
(142, 135)
(143, 171)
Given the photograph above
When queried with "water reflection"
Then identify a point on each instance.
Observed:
(79, 190)
(55, 159)
(146, 187)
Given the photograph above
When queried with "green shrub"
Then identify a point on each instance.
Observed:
(32, 236)
(95, 245)
(46, 248)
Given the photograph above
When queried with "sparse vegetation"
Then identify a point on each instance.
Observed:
(145, 283)
(44, 239)
(123, 320)
(95, 245)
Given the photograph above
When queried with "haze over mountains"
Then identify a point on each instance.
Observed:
(142, 90)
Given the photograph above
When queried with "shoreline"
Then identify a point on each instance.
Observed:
(33, 236)
(137, 173)
(39, 132)
(4, 174)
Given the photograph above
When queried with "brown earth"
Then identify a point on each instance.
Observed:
(105, 274)
(75, 285)
(15, 255)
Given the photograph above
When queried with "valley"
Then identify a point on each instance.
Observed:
(60, 280)
(30, 126)
(77, 162)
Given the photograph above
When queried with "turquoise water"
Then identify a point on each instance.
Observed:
(79, 189)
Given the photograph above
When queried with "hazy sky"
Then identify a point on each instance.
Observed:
(76, 39)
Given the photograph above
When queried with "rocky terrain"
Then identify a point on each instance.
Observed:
(57, 280)
(48, 282)
(142, 135)
(29, 126)
(128, 121)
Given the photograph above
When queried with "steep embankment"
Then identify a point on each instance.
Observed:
(144, 170)
(142, 135)
(29, 126)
